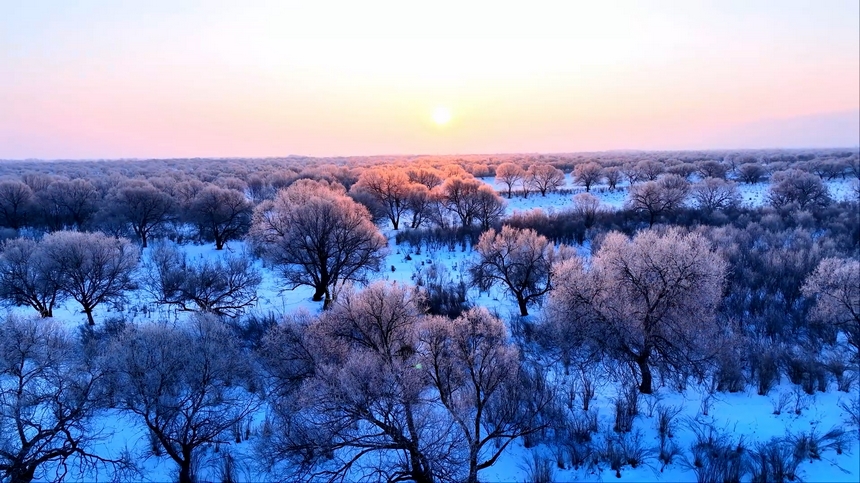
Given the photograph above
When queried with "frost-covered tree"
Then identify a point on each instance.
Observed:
(90, 268)
(798, 187)
(318, 236)
(544, 177)
(224, 285)
(613, 176)
(419, 202)
(471, 200)
(188, 385)
(712, 169)
(429, 177)
(714, 194)
(28, 277)
(16, 204)
(649, 300)
(389, 187)
(220, 214)
(656, 198)
(67, 204)
(49, 397)
(488, 393)
(587, 174)
(835, 286)
(650, 169)
(143, 207)
(587, 206)
(489, 207)
(520, 260)
(751, 173)
(364, 411)
(510, 174)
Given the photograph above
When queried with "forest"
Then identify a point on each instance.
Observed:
(669, 316)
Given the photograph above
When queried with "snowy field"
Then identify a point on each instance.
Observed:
(743, 415)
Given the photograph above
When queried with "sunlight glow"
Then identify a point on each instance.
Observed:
(441, 115)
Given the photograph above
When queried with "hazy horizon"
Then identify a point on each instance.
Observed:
(107, 80)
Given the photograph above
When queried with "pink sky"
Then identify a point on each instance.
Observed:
(177, 79)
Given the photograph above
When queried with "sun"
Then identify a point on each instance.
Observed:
(441, 115)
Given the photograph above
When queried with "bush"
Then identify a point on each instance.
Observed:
(716, 456)
(774, 461)
(626, 409)
(538, 469)
(810, 444)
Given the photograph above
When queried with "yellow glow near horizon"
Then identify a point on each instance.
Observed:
(441, 115)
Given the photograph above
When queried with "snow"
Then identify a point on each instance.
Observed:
(746, 415)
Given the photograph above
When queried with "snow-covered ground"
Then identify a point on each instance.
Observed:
(752, 195)
(744, 415)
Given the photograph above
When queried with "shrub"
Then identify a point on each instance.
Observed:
(716, 456)
(774, 461)
(538, 469)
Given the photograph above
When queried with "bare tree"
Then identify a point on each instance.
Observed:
(90, 268)
(28, 277)
(16, 203)
(222, 286)
(521, 260)
(363, 413)
(481, 383)
(489, 207)
(510, 174)
(650, 169)
(632, 173)
(545, 177)
(49, 397)
(684, 170)
(145, 208)
(459, 196)
(658, 197)
(319, 237)
(751, 173)
(588, 207)
(419, 201)
(613, 177)
(714, 194)
(67, 204)
(188, 385)
(835, 286)
(430, 178)
(221, 214)
(389, 186)
(644, 301)
(712, 169)
(587, 174)
(798, 187)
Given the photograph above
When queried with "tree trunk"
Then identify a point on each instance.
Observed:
(89, 312)
(523, 308)
(319, 293)
(22, 475)
(185, 475)
(473, 464)
(645, 370)
(185, 472)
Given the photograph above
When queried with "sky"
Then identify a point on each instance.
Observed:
(165, 79)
